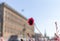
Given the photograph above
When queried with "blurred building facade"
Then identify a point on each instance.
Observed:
(40, 37)
(13, 23)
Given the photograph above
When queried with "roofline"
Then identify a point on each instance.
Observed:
(7, 6)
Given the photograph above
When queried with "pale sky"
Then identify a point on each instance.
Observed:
(44, 12)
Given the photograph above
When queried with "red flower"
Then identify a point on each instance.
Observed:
(30, 21)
